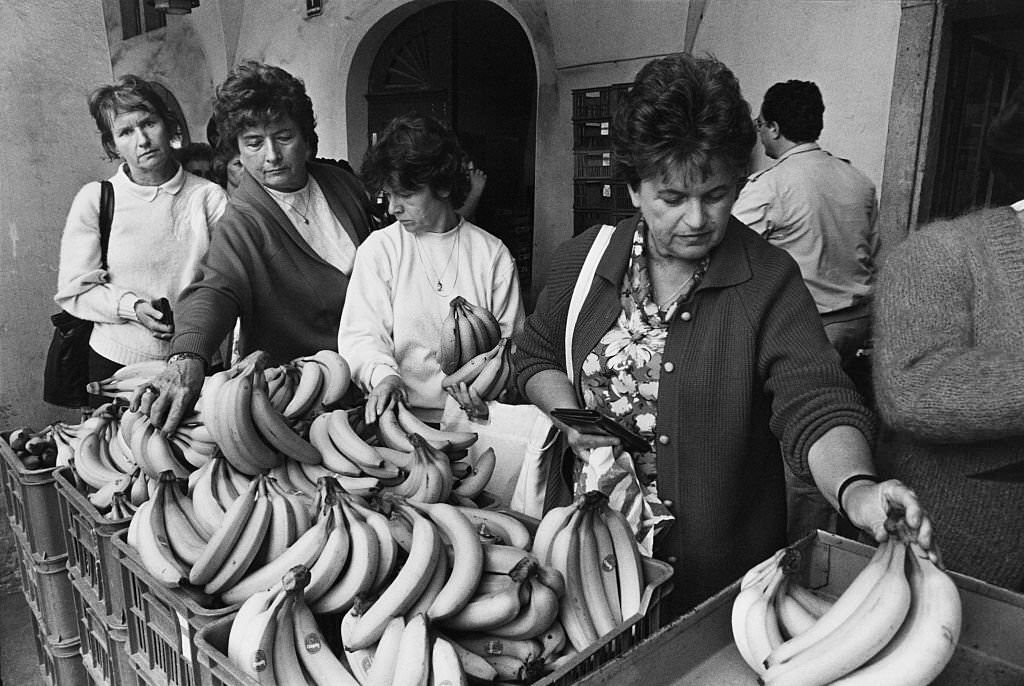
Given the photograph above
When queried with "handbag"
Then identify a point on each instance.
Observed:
(66, 373)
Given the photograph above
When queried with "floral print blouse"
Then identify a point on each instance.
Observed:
(620, 379)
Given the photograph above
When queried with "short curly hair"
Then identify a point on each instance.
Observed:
(130, 93)
(682, 112)
(417, 150)
(256, 94)
(797, 107)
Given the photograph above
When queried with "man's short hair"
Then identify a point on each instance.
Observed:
(797, 107)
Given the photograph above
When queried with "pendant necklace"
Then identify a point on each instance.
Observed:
(305, 196)
(437, 280)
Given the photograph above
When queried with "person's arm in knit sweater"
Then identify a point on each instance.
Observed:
(934, 378)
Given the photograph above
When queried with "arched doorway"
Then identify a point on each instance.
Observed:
(471, 65)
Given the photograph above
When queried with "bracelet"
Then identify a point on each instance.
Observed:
(186, 355)
(846, 484)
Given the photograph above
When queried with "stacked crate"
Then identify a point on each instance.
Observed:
(31, 501)
(96, 584)
(597, 197)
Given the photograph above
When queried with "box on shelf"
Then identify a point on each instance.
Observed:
(612, 195)
(597, 103)
(104, 647)
(216, 669)
(90, 548)
(593, 165)
(592, 135)
(31, 502)
(162, 622)
(60, 663)
(698, 648)
(47, 588)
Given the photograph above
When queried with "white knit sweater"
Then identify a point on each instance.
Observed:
(157, 236)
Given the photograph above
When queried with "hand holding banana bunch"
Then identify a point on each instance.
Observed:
(477, 361)
(897, 623)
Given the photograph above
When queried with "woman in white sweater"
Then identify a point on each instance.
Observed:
(161, 227)
(406, 274)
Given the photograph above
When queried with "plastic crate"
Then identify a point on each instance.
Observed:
(216, 668)
(597, 103)
(60, 663)
(47, 588)
(104, 647)
(612, 195)
(592, 135)
(31, 502)
(162, 622)
(593, 165)
(90, 549)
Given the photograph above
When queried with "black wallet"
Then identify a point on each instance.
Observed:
(593, 422)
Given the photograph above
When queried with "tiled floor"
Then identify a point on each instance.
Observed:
(18, 662)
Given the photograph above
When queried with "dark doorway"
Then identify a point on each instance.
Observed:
(470, 64)
(986, 61)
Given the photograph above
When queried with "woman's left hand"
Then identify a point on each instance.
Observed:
(869, 506)
(151, 318)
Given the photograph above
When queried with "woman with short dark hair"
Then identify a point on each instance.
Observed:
(407, 274)
(160, 229)
(701, 338)
(282, 255)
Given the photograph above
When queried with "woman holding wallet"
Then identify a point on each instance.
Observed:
(160, 228)
(680, 324)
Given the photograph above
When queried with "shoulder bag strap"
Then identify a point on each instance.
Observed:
(106, 217)
(579, 293)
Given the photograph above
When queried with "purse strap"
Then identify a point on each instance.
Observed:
(106, 218)
(579, 293)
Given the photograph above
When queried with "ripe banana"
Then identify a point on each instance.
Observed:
(592, 577)
(351, 444)
(332, 559)
(793, 617)
(487, 330)
(489, 609)
(445, 666)
(283, 528)
(473, 484)
(246, 547)
(413, 669)
(527, 650)
(489, 382)
(307, 392)
(629, 568)
(573, 613)
(503, 526)
(467, 341)
(926, 641)
(467, 555)
(359, 573)
(553, 521)
(274, 429)
(449, 352)
(408, 583)
(155, 556)
(248, 625)
(536, 615)
(391, 433)
(862, 636)
(223, 540)
(285, 661)
(386, 655)
(468, 372)
(813, 602)
(473, 665)
(186, 539)
(388, 550)
(319, 663)
(440, 438)
(337, 376)
(330, 455)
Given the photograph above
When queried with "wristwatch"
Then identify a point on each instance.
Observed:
(186, 356)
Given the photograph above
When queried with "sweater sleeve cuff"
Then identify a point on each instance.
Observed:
(126, 306)
(194, 342)
(378, 373)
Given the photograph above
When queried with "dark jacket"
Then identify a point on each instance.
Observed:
(259, 268)
(746, 367)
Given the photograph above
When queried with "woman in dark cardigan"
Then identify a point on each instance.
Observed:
(702, 338)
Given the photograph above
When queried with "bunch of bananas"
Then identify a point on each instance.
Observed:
(466, 332)
(594, 548)
(274, 638)
(124, 382)
(488, 373)
(897, 623)
(182, 452)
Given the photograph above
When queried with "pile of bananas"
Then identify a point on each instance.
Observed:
(897, 623)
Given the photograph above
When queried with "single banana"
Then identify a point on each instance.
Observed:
(473, 665)
(573, 613)
(391, 433)
(332, 559)
(469, 371)
(351, 444)
(304, 551)
(186, 538)
(275, 430)
(360, 571)
(164, 567)
(408, 583)
(763, 631)
(247, 546)
(815, 603)
(386, 655)
(257, 656)
(504, 526)
(337, 376)
(862, 636)
(599, 604)
(491, 609)
(246, 627)
(609, 565)
(388, 546)
(225, 537)
(359, 661)
(488, 377)
(299, 480)
(431, 487)
(846, 604)
(285, 662)
(490, 323)
(553, 521)
(926, 641)
(442, 570)
(413, 669)
(160, 456)
(467, 553)
(283, 393)
(535, 617)
(467, 342)
(629, 564)
(411, 424)
(793, 617)
(307, 392)
(283, 529)
(320, 664)
(445, 666)
(89, 464)
(479, 476)
(331, 456)
(449, 352)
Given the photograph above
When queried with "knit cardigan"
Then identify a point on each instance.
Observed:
(747, 369)
(949, 378)
(259, 268)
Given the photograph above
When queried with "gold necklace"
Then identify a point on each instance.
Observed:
(437, 281)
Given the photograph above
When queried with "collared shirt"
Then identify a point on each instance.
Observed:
(823, 211)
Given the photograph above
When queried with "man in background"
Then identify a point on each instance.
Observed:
(822, 211)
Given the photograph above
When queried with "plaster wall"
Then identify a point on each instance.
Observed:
(52, 54)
